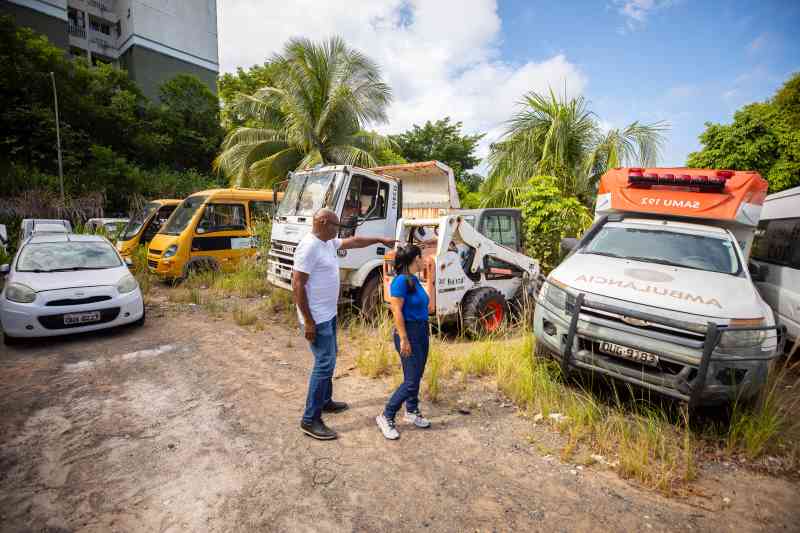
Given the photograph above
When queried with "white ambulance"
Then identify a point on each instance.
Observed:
(658, 293)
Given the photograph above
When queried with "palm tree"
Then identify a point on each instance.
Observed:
(322, 96)
(560, 137)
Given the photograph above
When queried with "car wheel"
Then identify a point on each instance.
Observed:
(139, 323)
(485, 312)
(8, 340)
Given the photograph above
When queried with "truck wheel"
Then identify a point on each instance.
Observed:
(485, 311)
(371, 296)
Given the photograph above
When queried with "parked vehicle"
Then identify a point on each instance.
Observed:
(3, 238)
(368, 202)
(109, 226)
(469, 277)
(657, 293)
(210, 230)
(66, 283)
(29, 225)
(144, 225)
(776, 252)
(41, 229)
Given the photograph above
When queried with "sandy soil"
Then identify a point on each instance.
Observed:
(191, 423)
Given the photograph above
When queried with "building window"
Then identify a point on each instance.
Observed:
(100, 26)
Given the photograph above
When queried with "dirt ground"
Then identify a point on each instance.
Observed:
(191, 424)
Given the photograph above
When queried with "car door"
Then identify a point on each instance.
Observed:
(222, 233)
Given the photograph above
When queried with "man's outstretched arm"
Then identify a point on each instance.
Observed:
(363, 242)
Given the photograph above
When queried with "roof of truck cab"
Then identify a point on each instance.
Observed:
(238, 194)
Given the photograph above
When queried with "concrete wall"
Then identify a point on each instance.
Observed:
(150, 69)
(49, 18)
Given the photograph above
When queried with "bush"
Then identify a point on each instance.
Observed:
(549, 216)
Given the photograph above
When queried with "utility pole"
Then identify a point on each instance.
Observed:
(58, 141)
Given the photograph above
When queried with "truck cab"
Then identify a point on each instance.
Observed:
(368, 202)
(658, 293)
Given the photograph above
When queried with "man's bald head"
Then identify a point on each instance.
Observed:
(326, 224)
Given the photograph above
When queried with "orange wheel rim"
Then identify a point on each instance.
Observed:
(493, 317)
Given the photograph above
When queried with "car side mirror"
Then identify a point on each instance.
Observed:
(129, 262)
(4, 270)
(758, 273)
(568, 244)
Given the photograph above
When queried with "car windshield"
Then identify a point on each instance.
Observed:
(306, 194)
(65, 256)
(700, 252)
(136, 223)
(183, 215)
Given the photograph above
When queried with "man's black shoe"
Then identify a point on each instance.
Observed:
(318, 430)
(335, 407)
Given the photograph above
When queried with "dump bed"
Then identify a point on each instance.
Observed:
(429, 188)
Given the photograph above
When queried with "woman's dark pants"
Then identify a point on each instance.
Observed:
(413, 368)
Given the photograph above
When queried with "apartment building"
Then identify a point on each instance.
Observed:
(154, 40)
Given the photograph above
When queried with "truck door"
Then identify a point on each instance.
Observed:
(370, 207)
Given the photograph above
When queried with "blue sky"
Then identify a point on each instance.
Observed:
(680, 61)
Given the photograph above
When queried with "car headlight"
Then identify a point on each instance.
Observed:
(22, 294)
(127, 284)
(743, 339)
(553, 291)
(171, 250)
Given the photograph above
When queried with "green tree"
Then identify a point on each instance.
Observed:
(443, 141)
(549, 216)
(763, 136)
(315, 111)
(230, 86)
(560, 137)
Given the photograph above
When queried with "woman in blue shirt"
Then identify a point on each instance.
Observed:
(411, 339)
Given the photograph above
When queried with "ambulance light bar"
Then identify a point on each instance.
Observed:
(638, 178)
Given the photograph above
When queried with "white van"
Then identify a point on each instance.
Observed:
(776, 251)
(658, 293)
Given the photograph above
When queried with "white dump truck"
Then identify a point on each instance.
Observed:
(658, 293)
(369, 202)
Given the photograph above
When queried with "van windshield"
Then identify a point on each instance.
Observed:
(687, 250)
(183, 215)
(136, 223)
(307, 193)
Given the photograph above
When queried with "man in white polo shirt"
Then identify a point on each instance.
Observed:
(315, 284)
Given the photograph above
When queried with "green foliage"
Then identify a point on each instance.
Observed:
(549, 216)
(763, 136)
(230, 86)
(469, 199)
(314, 111)
(560, 137)
(443, 141)
(114, 141)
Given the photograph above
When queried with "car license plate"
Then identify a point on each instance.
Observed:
(81, 318)
(632, 354)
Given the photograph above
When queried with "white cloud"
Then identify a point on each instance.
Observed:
(441, 58)
(637, 11)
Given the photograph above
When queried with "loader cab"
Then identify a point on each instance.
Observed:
(503, 226)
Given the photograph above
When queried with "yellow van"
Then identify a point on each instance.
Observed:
(209, 230)
(143, 226)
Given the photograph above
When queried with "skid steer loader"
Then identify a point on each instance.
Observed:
(469, 278)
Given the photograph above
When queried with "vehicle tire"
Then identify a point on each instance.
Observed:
(196, 266)
(139, 323)
(485, 311)
(8, 340)
(371, 297)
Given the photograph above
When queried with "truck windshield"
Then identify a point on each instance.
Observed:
(701, 252)
(306, 194)
(138, 221)
(183, 215)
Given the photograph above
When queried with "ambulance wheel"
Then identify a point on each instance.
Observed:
(485, 312)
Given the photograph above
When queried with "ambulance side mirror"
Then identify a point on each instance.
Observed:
(758, 273)
(568, 244)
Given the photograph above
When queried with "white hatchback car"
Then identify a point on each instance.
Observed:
(60, 284)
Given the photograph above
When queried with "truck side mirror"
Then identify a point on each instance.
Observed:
(568, 244)
(758, 273)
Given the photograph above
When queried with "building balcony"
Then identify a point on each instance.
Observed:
(102, 6)
(76, 31)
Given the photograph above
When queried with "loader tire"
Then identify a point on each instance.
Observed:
(485, 311)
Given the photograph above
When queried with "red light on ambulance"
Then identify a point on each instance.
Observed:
(725, 174)
(683, 179)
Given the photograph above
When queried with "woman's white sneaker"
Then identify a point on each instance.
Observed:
(387, 427)
(418, 420)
